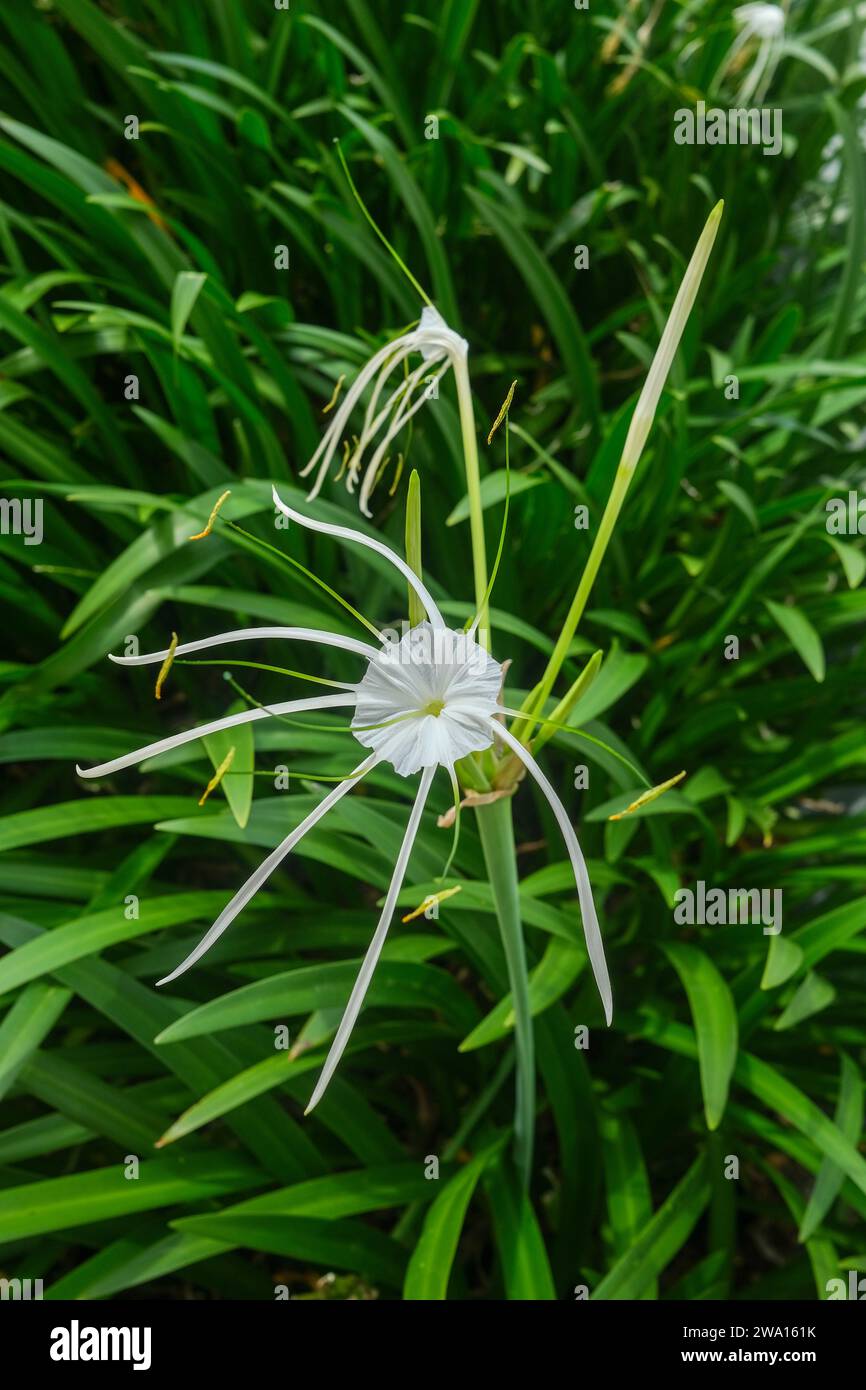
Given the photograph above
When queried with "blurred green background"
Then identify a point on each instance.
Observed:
(153, 353)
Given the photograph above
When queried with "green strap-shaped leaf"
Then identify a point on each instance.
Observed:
(849, 1119)
(715, 1020)
(525, 1269)
(30, 1019)
(661, 1238)
(57, 1203)
(430, 1265)
(801, 634)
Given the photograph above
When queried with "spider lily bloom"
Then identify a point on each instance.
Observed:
(423, 702)
(766, 24)
(440, 348)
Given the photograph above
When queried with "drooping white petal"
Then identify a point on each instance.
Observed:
(265, 869)
(395, 407)
(337, 428)
(373, 422)
(434, 335)
(402, 416)
(250, 634)
(346, 533)
(247, 716)
(434, 340)
(591, 929)
(374, 950)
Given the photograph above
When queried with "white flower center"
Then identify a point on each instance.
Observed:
(427, 699)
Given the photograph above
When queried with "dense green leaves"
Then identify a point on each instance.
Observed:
(178, 306)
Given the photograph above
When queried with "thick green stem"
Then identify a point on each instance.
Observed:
(496, 829)
(473, 489)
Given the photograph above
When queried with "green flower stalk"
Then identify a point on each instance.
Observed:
(638, 431)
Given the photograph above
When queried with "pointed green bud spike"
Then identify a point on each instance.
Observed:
(413, 544)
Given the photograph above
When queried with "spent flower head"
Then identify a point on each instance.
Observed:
(761, 26)
(394, 398)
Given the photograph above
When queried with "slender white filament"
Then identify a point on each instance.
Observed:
(374, 950)
(266, 868)
(345, 533)
(162, 745)
(249, 634)
(591, 929)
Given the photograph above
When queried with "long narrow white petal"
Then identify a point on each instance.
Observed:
(374, 950)
(265, 869)
(381, 360)
(346, 533)
(397, 401)
(591, 929)
(403, 390)
(401, 417)
(338, 423)
(246, 716)
(249, 634)
(372, 421)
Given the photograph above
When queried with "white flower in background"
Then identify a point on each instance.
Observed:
(440, 348)
(765, 24)
(422, 703)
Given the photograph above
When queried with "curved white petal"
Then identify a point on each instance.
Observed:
(373, 421)
(374, 950)
(346, 533)
(336, 429)
(398, 396)
(265, 869)
(401, 417)
(591, 929)
(162, 745)
(396, 407)
(249, 634)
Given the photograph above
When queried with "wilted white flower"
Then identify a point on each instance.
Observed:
(440, 348)
(422, 703)
(766, 23)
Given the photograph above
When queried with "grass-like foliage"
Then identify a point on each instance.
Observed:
(186, 277)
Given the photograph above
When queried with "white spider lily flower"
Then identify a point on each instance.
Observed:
(422, 703)
(766, 24)
(444, 673)
(440, 349)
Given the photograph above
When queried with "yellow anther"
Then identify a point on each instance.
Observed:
(218, 775)
(345, 460)
(333, 401)
(506, 406)
(648, 796)
(430, 901)
(212, 518)
(165, 667)
(397, 475)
